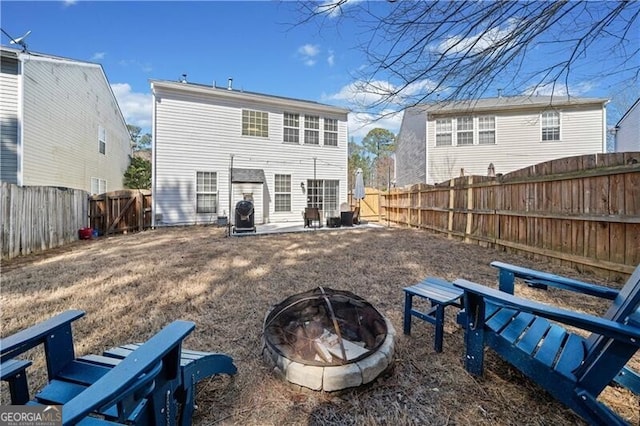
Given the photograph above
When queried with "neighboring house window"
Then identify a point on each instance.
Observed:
(282, 192)
(291, 125)
(312, 129)
(464, 131)
(550, 126)
(102, 140)
(98, 186)
(486, 130)
(443, 132)
(255, 123)
(323, 194)
(206, 192)
(331, 131)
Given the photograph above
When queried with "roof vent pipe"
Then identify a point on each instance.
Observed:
(230, 84)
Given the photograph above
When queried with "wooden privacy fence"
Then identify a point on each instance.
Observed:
(120, 211)
(36, 218)
(583, 211)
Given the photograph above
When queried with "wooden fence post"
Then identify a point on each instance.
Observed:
(451, 206)
(467, 231)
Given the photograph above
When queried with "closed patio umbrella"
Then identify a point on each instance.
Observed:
(358, 191)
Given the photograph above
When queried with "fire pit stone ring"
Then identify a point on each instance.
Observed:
(322, 367)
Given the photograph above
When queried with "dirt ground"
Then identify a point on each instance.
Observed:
(132, 285)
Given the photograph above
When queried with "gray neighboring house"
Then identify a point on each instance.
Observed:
(60, 124)
(628, 130)
(437, 141)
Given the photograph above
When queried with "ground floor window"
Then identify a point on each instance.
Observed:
(98, 186)
(206, 192)
(323, 194)
(282, 192)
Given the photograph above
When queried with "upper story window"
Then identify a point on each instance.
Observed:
(291, 128)
(282, 192)
(464, 131)
(550, 126)
(255, 123)
(206, 192)
(312, 129)
(486, 130)
(444, 132)
(102, 140)
(331, 131)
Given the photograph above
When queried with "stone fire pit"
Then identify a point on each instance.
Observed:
(327, 339)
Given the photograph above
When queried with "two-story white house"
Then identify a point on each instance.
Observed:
(627, 130)
(437, 142)
(214, 147)
(60, 124)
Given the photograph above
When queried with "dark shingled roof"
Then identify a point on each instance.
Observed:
(247, 176)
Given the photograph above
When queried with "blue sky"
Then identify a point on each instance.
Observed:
(255, 43)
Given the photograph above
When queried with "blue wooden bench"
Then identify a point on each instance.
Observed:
(147, 386)
(440, 294)
(533, 338)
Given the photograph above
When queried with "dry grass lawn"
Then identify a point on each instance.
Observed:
(132, 285)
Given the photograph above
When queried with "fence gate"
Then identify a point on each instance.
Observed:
(120, 211)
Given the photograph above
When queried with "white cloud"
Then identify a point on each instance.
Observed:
(477, 43)
(98, 56)
(331, 58)
(366, 95)
(360, 123)
(309, 53)
(136, 107)
(69, 2)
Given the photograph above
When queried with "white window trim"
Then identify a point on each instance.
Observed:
(102, 139)
(284, 126)
(289, 193)
(559, 127)
(214, 192)
(99, 184)
(248, 110)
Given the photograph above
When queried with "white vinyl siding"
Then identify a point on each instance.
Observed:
(206, 192)
(200, 131)
(9, 120)
(64, 104)
(517, 143)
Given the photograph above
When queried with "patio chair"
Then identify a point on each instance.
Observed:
(312, 214)
(530, 336)
(150, 386)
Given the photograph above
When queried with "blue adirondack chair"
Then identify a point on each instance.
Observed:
(530, 336)
(152, 384)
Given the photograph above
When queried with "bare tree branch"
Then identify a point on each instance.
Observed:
(424, 51)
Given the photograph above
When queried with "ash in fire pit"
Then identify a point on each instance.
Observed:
(327, 339)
